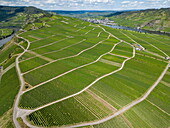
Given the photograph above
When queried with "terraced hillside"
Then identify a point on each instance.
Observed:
(150, 19)
(73, 73)
(17, 16)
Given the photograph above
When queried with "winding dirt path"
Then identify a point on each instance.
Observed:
(24, 113)
(87, 87)
(16, 109)
(8, 68)
(122, 110)
(99, 34)
(50, 43)
(89, 31)
(68, 56)
(56, 50)
(132, 40)
(81, 29)
(72, 70)
(151, 45)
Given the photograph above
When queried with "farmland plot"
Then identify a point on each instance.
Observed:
(33, 63)
(56, 45)
(73, 50)
(117, 122)
(160, 95)
(123, 50)
(160, 45)
(67, 64)
(148, 116)
(9, 85)
(87, 107)
(70, 51)
(66, 85)
(135, 79)
(46, 41)
(63, 115)
(118, 34)
(25, 56)
(148, 43)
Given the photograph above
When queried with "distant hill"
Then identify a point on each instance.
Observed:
(78, 11)
(9, 11)
(152, 19)
(115, 14)
(83, 13)
(15, 17)
(90, 13)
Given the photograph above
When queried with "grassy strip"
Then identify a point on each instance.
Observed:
(9, 87)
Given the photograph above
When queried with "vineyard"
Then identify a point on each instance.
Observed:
(76, 74)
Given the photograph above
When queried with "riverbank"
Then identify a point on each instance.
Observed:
(3, 41)
(8, 37)
(139, 30)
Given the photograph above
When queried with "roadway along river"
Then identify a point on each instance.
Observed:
(3, 41)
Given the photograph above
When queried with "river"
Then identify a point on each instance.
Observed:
(3, 41)
(139, 30)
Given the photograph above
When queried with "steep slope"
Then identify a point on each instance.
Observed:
(152, 19)
(15, 17)
(8, 11)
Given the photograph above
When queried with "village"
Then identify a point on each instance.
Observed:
(105, 21)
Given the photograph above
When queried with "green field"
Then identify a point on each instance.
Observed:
(67, 64)
(123, 50)
(117, 122)
(9, 87)
(88, 74)
(159, 96)
(148, 116)
(86, 107)
(143, 115)
(135, 78)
